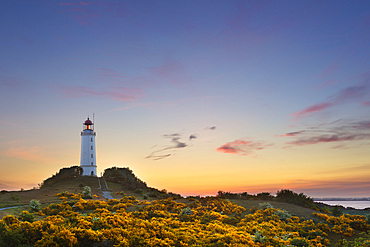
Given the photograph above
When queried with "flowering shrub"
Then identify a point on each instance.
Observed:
(345, 224)
(201, 222)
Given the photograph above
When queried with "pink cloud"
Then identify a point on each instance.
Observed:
(16, 83)
(290, 134)
(74, 4)
(170, 71)
(326, 84)
(330, 138)
(353, 93)
(109, 73)
(117, 93)
(337, 132)
(312, 109)
(80, 12)
(329, 70)
(86, 12)
(242, 147)
(366, 103)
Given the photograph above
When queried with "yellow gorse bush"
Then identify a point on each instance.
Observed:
(206, 221)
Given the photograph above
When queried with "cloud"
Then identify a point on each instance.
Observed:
(335, 132)
(74, 4)
(328, 71)
(330, 138)
(32, 153)
(242, 147)
(326, 84)
(5, 187)
(358, 92)
(157, 157)
(109, 73)
(312, 109)
(191, 137)
(82, 12)
(350, 187)
(292, 133)
(115, 93)
(176, 144)
(14, 83)
(170, 71)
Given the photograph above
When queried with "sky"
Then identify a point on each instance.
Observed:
(193, 96)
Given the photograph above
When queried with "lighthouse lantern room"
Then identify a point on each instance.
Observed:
(88, 154)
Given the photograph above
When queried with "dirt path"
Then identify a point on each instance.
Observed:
(9, 207)
(104, 189)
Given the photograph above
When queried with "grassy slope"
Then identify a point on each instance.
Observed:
(46, 195)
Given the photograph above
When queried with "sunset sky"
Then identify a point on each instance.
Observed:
(193, 96)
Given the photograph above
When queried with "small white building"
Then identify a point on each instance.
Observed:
(88, 154)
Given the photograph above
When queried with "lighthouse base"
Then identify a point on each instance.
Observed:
(89, 171)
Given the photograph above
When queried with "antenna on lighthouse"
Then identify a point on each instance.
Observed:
(94, 119)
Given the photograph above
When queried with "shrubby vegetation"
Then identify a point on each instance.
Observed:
(210, 221)
(35, 205)
(63, 174)
(86, 193)
(127, 179)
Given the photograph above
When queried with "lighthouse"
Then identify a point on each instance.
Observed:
(88, 154)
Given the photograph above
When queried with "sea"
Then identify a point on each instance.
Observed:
(353, 204)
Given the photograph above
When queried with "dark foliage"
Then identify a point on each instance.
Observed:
(125, 177)
(63, 174)
(294, 198)
(264, 196)
(336, 211)
(245, 196)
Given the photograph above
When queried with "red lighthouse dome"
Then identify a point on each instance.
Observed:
(88, 123)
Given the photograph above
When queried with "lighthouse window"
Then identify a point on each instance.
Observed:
(92, 156)
(91, 139)
(91, 147)
(92, 163)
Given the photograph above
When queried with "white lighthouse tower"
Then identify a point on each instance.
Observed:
(88, 154)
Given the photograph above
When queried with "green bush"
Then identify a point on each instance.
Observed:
(9, 238)
(367, 218)
(86, 193)
(259, 238)
(283, 215)
(336, 211)
(35, 205)
(265, 205)
(26, 216)
(289, 196)
(301, 242)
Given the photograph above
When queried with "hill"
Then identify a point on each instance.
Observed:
(168, 218)
(120, 181)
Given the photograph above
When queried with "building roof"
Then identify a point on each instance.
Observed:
(88, 122)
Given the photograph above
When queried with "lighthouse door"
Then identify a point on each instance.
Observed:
(92, 173)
